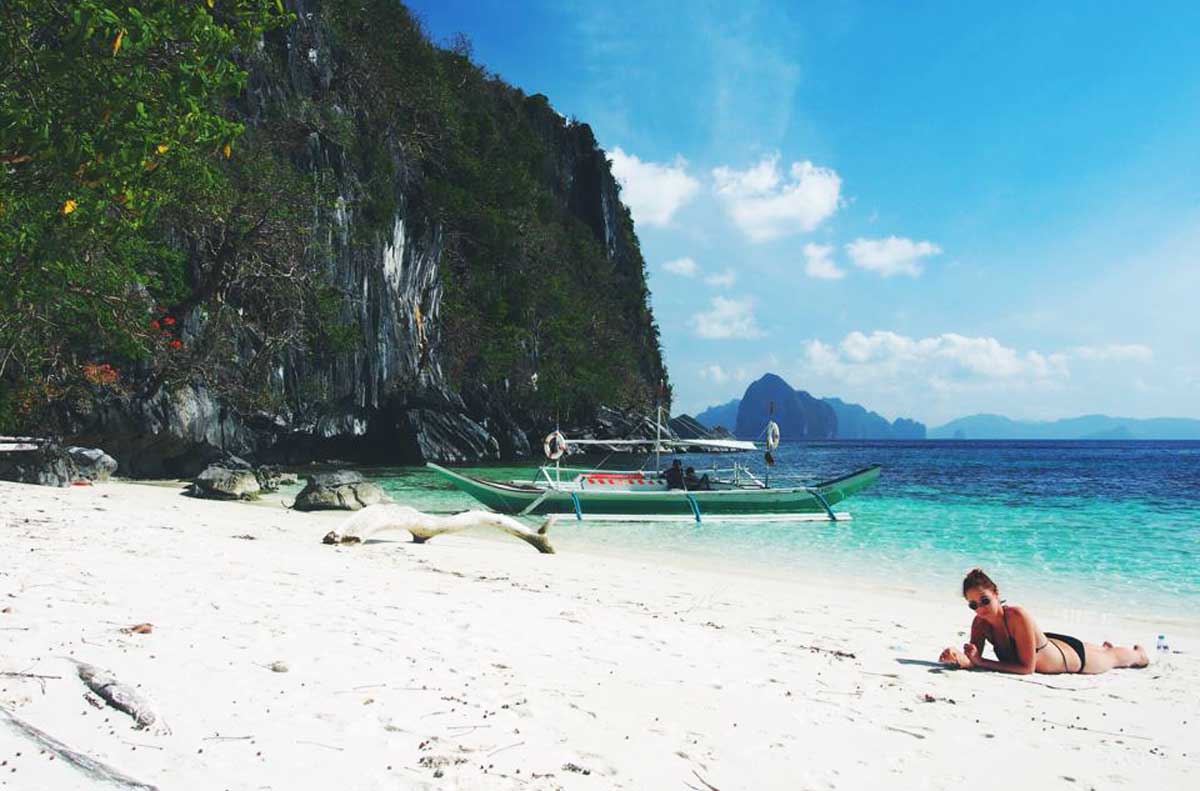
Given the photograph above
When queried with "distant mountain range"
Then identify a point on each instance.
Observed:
(1085, 427)
(724, 415)
(857, 422)
(801, 416)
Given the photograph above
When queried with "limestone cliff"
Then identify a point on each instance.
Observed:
(799, 415)
(483, 265)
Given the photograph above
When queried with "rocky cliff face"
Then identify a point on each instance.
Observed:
(409, 389)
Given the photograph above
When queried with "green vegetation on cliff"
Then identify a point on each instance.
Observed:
(534, 283)
(111, 120)
(174, 177)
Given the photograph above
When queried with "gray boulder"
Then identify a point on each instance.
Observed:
(343, 490)
(92, 464)
(49, 464)
(45, 465)
(221, 483)
(332, 480)
(270, 478)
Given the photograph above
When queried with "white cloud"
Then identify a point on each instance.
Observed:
(653, 191)
(682, 266)
(765, 206)
(944, 362)
(1115, 352)
(714, 373)
(722, 279)
(818, 264)
(894, 255)
(727, 318)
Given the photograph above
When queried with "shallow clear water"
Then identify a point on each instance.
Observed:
(1104, 526)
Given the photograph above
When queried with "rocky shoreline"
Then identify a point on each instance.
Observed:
(226, 459)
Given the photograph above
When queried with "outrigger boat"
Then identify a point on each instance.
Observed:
(638, 495)
(641, 496)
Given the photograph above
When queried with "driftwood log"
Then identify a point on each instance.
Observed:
(377, 519)
(121, 697)
(94, 769)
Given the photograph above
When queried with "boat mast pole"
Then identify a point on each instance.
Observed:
(770, 417)
(658, 428)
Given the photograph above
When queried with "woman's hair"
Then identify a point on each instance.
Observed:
(977, 578)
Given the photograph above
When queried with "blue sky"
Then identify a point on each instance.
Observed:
(930, 209)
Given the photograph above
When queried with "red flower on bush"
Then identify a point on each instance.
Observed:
(153, 324)
(168, 321)
(175, 344)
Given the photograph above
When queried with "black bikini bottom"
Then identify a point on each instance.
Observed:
(1075, 643)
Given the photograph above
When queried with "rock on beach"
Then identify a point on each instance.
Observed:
(343, 490)
(221, 483)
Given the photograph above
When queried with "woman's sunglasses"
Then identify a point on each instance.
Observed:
(984, 601)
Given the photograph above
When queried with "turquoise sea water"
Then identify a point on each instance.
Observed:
(1103, 527)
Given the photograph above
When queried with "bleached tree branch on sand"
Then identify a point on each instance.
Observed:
(121, 697)
(94, 769)
(377, 519)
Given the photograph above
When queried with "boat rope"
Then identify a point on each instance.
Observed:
(578, 508)
(605, 459)
(529, 508)
(824, 503)
(691, 498)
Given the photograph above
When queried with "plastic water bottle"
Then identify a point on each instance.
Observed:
(1162, 646)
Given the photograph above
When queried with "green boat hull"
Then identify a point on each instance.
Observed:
(510, 498)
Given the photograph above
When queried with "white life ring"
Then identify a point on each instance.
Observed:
(772, 435)
(554, 446)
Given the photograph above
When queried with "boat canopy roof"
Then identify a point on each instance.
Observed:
(714, 444)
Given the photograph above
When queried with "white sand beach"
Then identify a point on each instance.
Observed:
(476, 663)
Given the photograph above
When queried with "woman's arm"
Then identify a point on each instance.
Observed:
(1024, 635)
(952, 656)
(979, 633)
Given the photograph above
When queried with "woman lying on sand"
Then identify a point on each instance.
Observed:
(1022, 646)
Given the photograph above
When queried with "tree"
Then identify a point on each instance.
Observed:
(110, 113)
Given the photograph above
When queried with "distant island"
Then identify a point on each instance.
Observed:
(722, 415)
(800, 415)
(803, 416)
(1095, 427)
